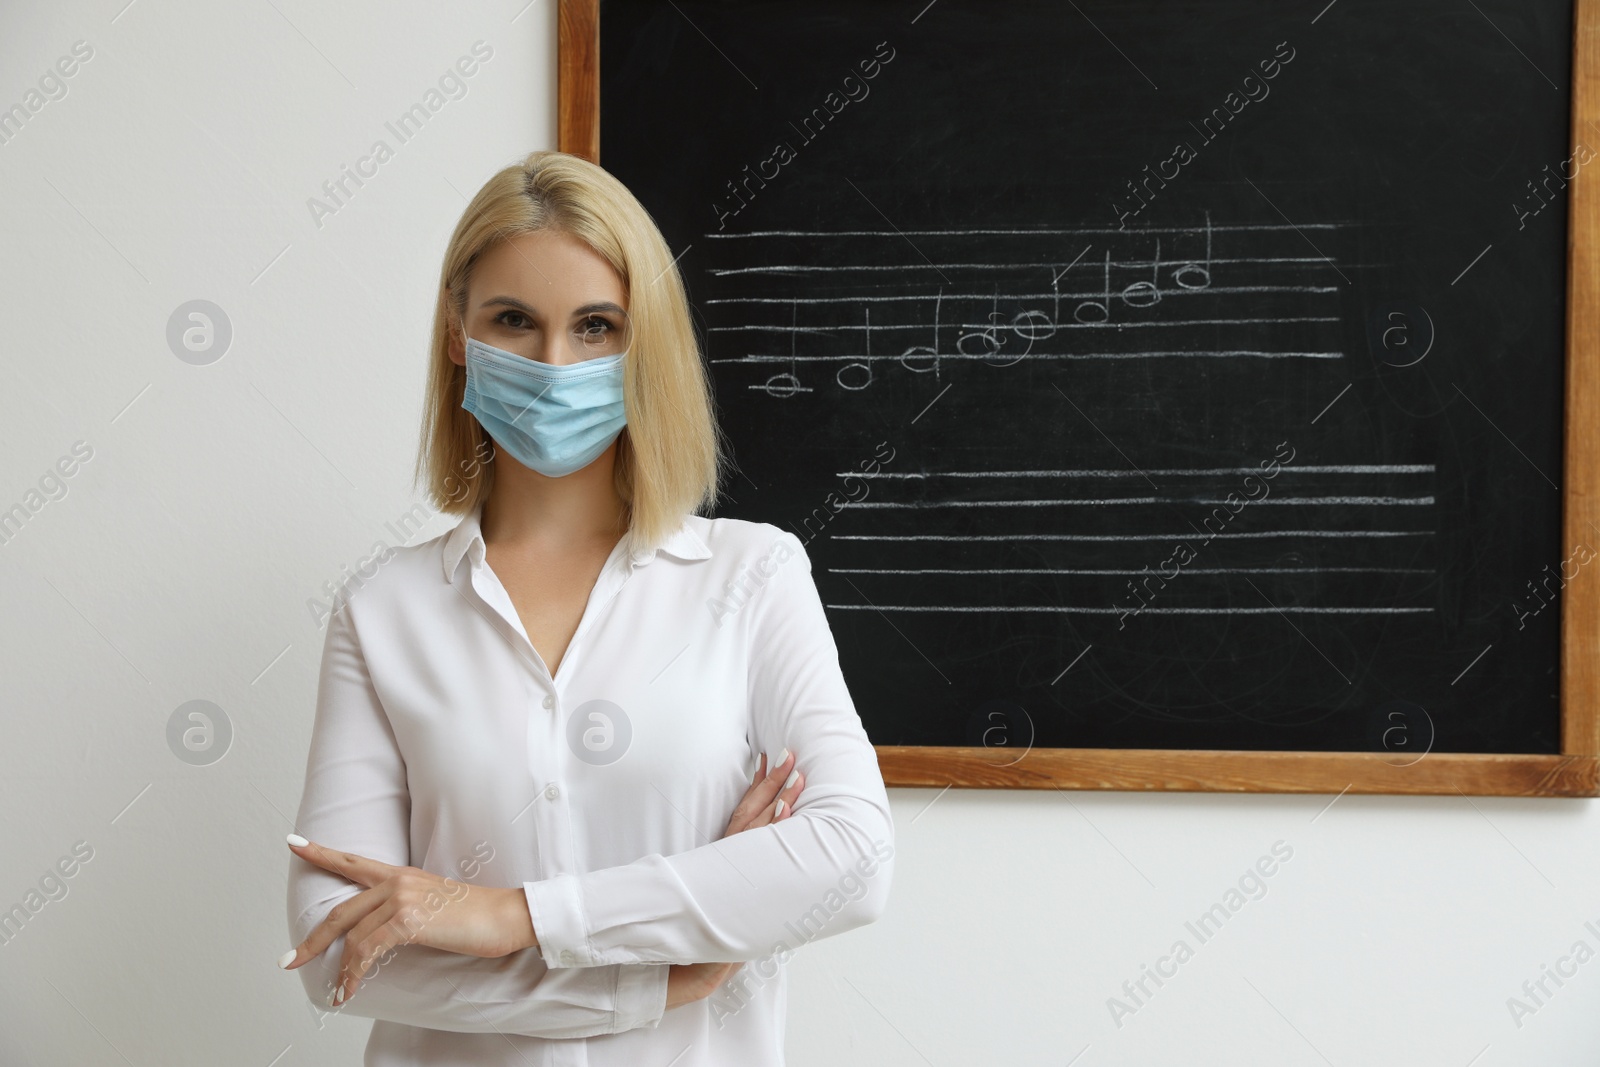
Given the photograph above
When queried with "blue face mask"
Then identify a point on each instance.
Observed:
(552, 419)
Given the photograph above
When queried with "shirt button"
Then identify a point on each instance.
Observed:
(551, 792)
(549, 702)
(567, 957)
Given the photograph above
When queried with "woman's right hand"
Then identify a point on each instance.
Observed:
(767, 801)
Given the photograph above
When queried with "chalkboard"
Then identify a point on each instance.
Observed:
(1168, 395)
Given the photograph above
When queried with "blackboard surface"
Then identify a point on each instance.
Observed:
(1138, 375)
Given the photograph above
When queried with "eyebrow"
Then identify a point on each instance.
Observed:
(528, 309)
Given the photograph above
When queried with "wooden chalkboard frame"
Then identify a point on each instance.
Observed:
(1575, 772)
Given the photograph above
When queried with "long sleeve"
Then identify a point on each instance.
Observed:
(823, 871)
(356, 799)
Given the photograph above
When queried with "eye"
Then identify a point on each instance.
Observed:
(594, 328)
(512, 313)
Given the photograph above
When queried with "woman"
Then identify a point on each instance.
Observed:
(540, 823)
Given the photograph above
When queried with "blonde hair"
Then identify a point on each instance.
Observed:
(671, 453)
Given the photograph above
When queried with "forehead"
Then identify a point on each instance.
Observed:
(549, 270)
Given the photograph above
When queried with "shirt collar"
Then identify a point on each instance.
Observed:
(684, 543)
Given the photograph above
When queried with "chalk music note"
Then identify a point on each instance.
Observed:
(988, 339)
(924, 350)
(1104, 305)
(1191, 268)
(783, 385)
(1147, 293)
(858, 381)
(1030, 325)
(787, 383)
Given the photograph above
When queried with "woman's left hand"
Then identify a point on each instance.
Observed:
(408, 906)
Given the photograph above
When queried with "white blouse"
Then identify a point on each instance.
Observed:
(441, 741)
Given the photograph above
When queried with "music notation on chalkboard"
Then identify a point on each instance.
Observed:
(870, 302)
(834, 312)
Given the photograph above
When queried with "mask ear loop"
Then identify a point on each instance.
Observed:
(458, 328)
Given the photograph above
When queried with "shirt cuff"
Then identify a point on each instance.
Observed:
(558, 922)
(641, 997)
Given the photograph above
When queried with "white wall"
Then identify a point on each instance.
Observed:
(218, 498)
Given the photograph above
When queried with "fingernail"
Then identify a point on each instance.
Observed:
(779, 813)
(287, 958)
(338, 995)
(791, 779)
(779, 761)
(296, 839)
